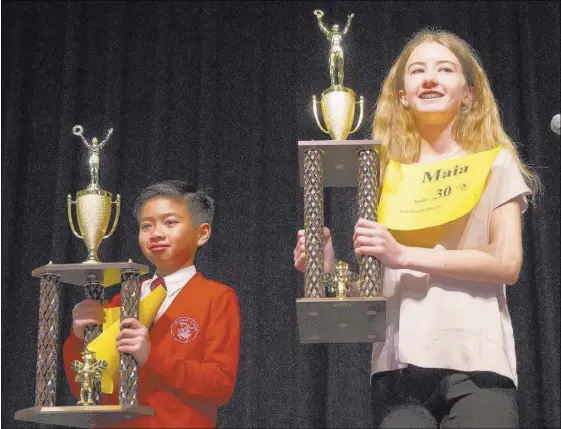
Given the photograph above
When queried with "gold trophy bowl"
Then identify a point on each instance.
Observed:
(93, 211)
(338, 110)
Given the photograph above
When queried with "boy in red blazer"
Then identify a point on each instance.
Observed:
(188, 358)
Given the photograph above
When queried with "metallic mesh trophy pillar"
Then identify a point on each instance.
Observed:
(93, 212)
(342, 318)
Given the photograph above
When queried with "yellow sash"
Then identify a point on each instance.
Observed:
(105, 346)
(418, 196)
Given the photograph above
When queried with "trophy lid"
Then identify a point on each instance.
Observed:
(339, 160)
(75, 274)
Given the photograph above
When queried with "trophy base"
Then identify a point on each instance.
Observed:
(342, 320)
(83, 416)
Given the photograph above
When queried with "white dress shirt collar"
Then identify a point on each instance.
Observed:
(175, 281)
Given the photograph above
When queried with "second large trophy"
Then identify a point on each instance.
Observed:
(339, 307)
(101, 369)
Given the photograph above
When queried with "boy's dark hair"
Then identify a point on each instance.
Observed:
(198, 203)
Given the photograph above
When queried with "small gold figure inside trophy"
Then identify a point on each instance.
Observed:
(87, 372)
(339, 284)
(93, 204)
(337, 101)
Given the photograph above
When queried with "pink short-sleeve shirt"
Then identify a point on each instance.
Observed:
(440, 322)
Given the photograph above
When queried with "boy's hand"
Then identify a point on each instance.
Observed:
(87, 312)
(134, 339)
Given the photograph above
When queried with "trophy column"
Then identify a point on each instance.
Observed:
(128, 368)
(313, 222)
(370, 270)
(45, 388)
(94, 290)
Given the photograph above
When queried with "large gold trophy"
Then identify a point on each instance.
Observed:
(339, 307)
(93, 212)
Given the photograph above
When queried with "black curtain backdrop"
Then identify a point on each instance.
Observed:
(219, 93)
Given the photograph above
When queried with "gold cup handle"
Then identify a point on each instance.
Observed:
(69, 205)
(361, 104)
(117, 203)
(315, 103)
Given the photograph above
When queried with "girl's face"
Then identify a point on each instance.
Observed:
(434, 84)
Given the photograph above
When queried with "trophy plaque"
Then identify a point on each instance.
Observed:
(339, 317)
(93, 211)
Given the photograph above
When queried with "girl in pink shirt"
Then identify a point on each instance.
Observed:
(448, 359)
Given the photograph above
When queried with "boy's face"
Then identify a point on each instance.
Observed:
(167, 236)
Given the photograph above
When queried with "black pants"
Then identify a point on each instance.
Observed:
(438, 398)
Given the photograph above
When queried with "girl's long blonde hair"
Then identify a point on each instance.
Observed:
(477, 128)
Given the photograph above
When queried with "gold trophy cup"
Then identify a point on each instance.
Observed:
(93, 204)
(338, 110)
(337, 102)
